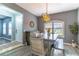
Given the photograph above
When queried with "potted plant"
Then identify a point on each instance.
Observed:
(74, 31)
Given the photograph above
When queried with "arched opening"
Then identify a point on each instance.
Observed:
(11, 25)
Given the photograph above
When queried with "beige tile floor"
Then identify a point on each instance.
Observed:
(20, 51)
(4, 41)
(9, 46)
(26, 51)
(71, 51)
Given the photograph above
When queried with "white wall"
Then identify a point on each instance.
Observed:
(19, 28)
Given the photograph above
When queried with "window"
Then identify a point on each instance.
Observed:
(10, 28)
(59, 28)
(56, 29)
(46, 26)
(4, 28)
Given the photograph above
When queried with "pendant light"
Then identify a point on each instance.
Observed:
(45, 16)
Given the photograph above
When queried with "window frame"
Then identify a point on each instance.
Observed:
(10, 28)
(4, 28)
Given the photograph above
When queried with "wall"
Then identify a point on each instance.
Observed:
(68, 17)
(29, 18)
(18, 26)
(26, 17)
(40, 25)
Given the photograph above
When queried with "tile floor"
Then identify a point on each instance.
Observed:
(71, 51)
(21, 51)
(3, 41)
(26, 51)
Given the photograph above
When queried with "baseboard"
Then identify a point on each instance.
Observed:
(68, 44)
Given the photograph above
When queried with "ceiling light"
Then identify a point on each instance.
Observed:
(45, 16)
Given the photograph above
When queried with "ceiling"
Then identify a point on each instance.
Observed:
(39, 8)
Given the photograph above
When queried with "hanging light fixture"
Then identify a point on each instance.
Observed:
(45, 16)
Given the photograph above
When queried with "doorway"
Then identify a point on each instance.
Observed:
(11, 25)
(5, 29)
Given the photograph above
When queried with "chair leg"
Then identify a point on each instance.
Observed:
(52, 52)
(63, 52)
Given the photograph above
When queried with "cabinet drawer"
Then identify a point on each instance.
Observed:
(37, 44)
(37, 50)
